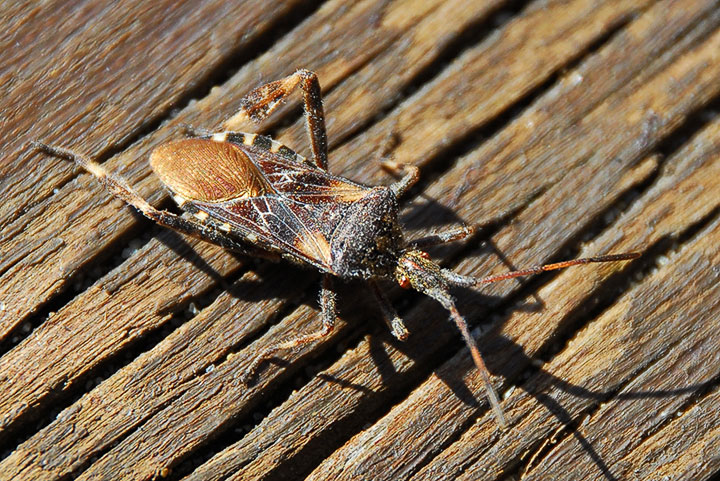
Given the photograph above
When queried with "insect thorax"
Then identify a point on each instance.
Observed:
(368, 241)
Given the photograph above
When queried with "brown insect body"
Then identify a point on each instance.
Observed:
(281, 202)
(253, 195)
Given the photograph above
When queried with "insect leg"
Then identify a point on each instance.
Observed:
(394, 322)
(193, 131)
(410, 175)
(261, 102)
(450, 235)
(329, 315)
(119, 188)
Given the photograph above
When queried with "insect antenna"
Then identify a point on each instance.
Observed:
(466, 281)
(558, 265)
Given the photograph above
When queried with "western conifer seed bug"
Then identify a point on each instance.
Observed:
(252, 195)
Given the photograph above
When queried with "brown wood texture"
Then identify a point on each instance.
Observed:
(564, 128)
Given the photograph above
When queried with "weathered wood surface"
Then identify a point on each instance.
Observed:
(568, 128)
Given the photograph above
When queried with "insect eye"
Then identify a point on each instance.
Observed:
(404, 282)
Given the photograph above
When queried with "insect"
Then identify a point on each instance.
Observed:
(251, 194)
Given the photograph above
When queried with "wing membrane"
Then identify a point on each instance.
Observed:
(278, 222)
(295, 210)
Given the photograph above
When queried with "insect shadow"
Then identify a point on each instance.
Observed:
(504, 357)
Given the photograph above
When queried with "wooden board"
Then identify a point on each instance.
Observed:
(564, 128)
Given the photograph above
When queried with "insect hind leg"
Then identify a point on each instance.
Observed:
(119, 188)
(329, 316)
(264, 100)
(192, 131)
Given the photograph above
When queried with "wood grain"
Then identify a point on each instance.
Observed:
(99, 51)
(412, 439)
(653, 211)
(567, 128)
(116, 70)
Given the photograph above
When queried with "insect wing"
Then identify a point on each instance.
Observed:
(206, 171)
(297, 209)
(273, 221)
(305, 183)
